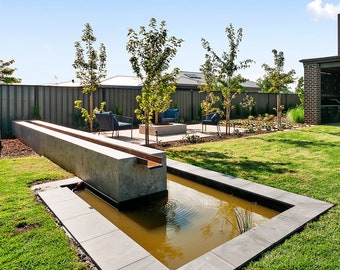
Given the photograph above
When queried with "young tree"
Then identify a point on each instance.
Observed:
(299, 89)
(228, 80)
(164, 87)
(248, 102)
(6, 72)
(151, 52)
(90, 69)
(209, 87)
(277, 81)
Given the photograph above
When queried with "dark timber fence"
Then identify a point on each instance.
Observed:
(55, 104)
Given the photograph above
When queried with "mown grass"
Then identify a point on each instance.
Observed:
(30, 237)
(306, 162)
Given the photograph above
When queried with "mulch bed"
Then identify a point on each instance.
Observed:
(192, 139)
(13, 148)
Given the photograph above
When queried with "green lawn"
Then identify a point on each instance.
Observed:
(306, 162)
(29, 235)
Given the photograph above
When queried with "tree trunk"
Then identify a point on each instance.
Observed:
(156, 117)
(227, 118)
(147, 141)
(278, 109)
(91, 112)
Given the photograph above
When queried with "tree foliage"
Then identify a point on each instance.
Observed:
(151, 53)
(209, 86)
(228, 79)
(6, 72)
(248, 102)
(299, 89)
(90, 69)
(276, 80)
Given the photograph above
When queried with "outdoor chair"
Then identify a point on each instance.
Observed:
(211, 119)
(170, 115)
(113, 122)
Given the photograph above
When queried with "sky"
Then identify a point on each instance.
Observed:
(39, 35)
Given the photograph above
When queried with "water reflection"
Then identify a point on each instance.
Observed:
(191, 221)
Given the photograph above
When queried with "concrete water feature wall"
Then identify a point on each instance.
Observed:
(123, 176)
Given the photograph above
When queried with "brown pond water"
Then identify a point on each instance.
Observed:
(192, 220)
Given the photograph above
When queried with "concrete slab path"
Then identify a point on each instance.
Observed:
(192, 129)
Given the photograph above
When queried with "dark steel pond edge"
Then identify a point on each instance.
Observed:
(110, 248)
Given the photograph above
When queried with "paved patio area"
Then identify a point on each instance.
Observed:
(192, 129)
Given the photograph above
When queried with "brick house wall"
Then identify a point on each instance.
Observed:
(312, 98)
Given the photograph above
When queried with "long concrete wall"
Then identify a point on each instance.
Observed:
(117, 174)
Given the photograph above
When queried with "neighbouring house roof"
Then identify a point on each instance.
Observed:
(121, 80)
(190, 78)
(71, 83)
(184, 78)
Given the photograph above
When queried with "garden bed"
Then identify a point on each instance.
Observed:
(14, 148)
(194, 139)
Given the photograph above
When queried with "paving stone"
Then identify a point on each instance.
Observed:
(293, 198)
(182, 166)
(263, 190)
(207, 261)
(56, 195)
(231, 181)
(55, 184)
(88, 226)
(114, 250)
(149, 263)
(64, 203)
(277, 228)
(306, 212)
(241, 249)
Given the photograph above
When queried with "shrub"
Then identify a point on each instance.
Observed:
(296, 115)
(192, 138)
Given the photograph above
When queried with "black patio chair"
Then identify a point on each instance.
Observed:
(170, 115)
(211, 119)
(113, 122)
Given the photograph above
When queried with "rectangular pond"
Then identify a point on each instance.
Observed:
(192, 220)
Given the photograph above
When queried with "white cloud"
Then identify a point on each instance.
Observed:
(320, 10)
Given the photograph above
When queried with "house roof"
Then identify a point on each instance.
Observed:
(184, 78)
(121, 80)
(190, 78)
(71, 83)
(330, 63)
(321, 60)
